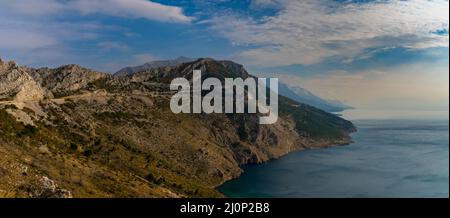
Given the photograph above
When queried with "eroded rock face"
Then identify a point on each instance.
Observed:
(16, 84)
(20, 84)
(49, 189)
(66, 78)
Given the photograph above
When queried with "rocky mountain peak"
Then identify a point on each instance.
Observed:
(71, 67)
(153, 65)
(210, 68)
(219, 68)
(16, 84)
(21, 83)
(8, 65)
(67, 78)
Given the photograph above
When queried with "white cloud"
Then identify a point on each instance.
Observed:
(119, 8)
(132, 9)
(40, 33)
(38, 42)
(411, 87)
(306, 32)
(31, 7)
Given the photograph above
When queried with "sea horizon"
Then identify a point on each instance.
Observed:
(378, 163)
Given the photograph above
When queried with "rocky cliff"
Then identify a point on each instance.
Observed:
(17, 84)
(97, 135)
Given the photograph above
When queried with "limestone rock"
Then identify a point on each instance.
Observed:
(67, 78)
(49, 189)
(16, 84)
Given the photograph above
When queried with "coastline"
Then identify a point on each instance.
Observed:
(323, 145)
(379, 158)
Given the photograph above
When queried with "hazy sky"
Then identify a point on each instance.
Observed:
(381, 54)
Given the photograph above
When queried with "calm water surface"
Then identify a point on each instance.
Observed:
(389, 158)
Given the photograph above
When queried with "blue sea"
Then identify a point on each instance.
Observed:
(389, 158)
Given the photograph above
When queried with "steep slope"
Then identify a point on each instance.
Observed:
(111, 136)
(65, 80)
(17, 84)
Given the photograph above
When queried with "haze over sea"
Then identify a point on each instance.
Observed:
(393, 155)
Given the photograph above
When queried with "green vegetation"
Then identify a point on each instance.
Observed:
(10, 106)
(312, 122)
(6, 99)
(73, 146)
(88, 152)
(28, 130)
(9, 127)
(61, 94)
(101, 83)
(28, 111)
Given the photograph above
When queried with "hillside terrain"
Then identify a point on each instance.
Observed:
(75, 132)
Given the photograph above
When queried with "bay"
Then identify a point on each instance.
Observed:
(389, 158)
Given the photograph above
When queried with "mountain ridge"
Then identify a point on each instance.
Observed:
(153, 64)
(98, 135)
(296, 93)
(304, 96)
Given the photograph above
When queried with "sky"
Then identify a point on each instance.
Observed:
(371, 54)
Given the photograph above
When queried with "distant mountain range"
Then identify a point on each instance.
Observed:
(295, 93)
(304, 96)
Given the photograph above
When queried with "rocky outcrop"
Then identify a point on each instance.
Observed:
(48, 189)
(65, 79)
(16, 84)
(22, 84)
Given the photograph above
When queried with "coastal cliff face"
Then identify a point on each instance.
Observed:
(72, 131)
